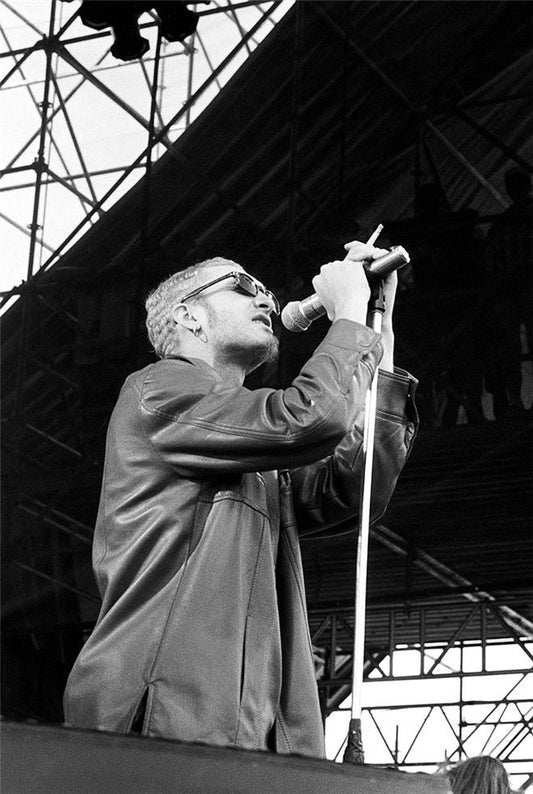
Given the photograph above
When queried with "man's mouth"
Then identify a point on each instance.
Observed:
(264, 320)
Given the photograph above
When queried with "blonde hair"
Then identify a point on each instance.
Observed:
(160, 302)
(481, 774)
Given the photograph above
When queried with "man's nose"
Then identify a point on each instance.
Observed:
(264, 301)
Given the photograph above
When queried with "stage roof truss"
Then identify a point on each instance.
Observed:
(206, 64)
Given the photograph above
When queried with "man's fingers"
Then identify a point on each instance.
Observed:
(358, 251)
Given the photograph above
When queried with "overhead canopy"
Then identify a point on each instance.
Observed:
(330, 124)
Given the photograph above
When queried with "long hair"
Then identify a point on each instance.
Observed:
(481, 774)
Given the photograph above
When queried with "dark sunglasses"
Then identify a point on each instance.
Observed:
(241, 281)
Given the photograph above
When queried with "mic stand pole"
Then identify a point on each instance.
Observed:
(354, 753)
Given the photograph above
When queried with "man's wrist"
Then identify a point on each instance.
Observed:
(356, 315)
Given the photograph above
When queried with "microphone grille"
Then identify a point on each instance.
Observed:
(293, 317)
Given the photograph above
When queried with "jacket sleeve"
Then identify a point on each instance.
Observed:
(327, 494)
(199, 425)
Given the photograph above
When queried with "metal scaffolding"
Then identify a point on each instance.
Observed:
(472, 655)
(152, 101)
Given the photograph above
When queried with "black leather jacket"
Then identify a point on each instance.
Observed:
(206, 489)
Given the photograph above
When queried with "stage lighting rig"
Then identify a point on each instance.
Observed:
(176, 21)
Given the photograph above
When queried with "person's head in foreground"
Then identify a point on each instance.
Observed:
(481, 774)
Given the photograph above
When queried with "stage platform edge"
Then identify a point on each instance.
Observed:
(42, 758)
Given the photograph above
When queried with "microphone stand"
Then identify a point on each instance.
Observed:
(354, 753)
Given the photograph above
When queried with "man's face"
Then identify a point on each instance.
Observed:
(238, 326)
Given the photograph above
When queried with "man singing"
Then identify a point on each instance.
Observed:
(207, 486)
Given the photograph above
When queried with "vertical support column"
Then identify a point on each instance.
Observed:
(422, 638)
(40, 166)
(483, 627)
(392, 641)
(189, 79)
(40, 163)
(461, 700)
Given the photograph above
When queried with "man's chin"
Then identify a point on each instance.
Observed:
(264, 354)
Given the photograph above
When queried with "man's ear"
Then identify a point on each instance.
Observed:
(182, 316)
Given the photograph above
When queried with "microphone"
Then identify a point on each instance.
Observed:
(298, 315)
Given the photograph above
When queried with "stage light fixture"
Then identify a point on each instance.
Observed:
(177, 22)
